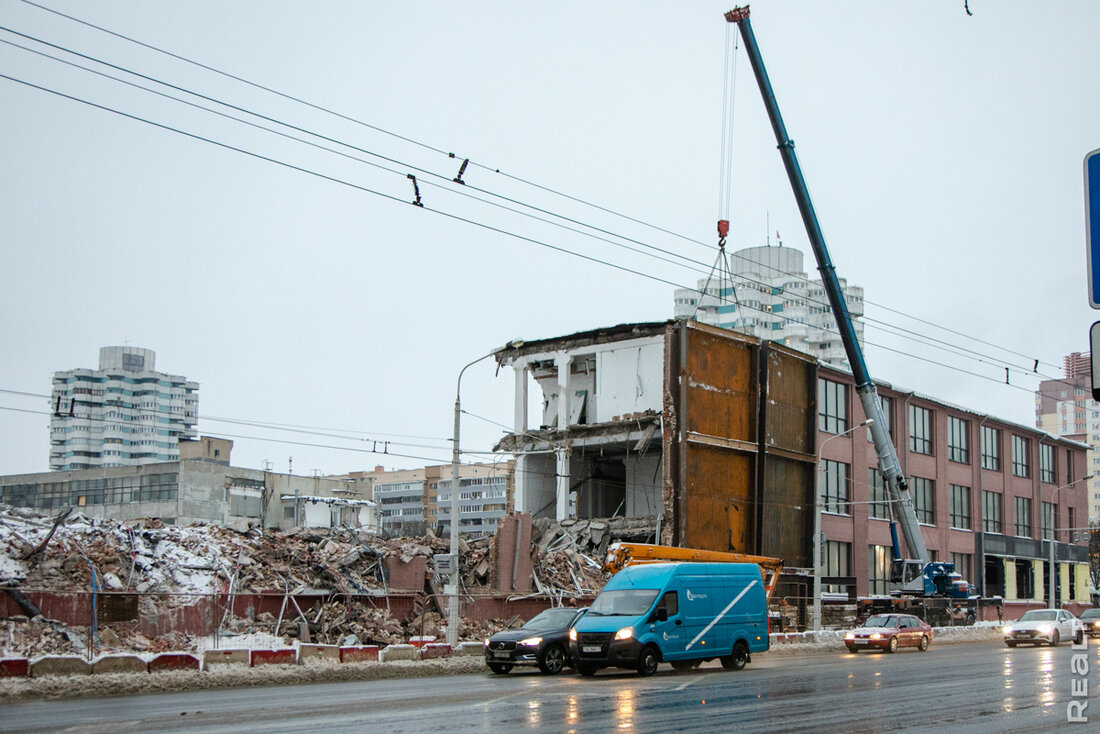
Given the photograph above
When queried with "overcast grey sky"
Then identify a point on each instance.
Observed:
(944, 153)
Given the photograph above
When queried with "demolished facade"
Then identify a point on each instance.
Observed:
(707, 433)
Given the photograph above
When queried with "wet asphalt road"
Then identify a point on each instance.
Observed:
(958, 688)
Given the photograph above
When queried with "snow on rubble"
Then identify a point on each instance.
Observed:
(168, 570)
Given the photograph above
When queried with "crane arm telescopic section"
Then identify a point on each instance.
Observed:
(884, 448)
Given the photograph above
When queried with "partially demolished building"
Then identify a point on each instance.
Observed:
(707, 432)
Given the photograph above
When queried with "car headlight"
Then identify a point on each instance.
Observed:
(625, 633)
(850, 636)
(876, 635)
(572, 634)
(486, 642)
(1096, 624)
(531, 642)
(1007, 629)
(1045, 629)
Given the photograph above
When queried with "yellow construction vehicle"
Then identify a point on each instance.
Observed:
(621, 555)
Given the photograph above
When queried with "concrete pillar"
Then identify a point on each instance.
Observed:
(562, 472)
(519, 426)
(519, 420)
(564, 365)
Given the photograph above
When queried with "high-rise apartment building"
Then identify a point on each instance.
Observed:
(123, 414)
(769, 295)
(1065, 408)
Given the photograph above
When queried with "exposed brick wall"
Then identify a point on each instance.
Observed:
(506, 564)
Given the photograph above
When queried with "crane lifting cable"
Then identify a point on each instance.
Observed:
(725, 286)
(725, 175)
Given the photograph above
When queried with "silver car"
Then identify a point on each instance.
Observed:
(1044, 626)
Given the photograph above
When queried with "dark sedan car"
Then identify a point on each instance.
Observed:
(1091, 619)
(543, 641)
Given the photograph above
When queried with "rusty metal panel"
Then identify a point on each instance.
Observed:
(717, 505)
(715, 399)
(787, 477)
(788, 519)
(720, 379)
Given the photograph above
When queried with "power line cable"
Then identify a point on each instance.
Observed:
(440, 212)
(452, 155)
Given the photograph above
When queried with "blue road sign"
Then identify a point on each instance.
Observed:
(1092, 223)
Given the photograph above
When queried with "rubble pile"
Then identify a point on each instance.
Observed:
(568, 555)
(169, 566)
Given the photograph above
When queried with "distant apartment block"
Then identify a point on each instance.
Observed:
(770, 296)
(1065, 408)
(123, 414)
(411, 501)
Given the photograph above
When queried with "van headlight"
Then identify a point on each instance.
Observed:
(572, 634)
(531, 642)
(625, 633)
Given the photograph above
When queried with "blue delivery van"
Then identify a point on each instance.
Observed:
(680, 613)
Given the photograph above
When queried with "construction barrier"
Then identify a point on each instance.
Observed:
(470, 649)
(433, 650)
(399, 652)
(310, 653)
(225, 657)
(287, 656)
(120, 664)
(60, 665)
(359, 654)
(15, 668)
(173, 661)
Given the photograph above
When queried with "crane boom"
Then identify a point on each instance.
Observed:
(897, 486)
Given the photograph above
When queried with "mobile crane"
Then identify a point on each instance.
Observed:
(621, 555)
(930, 588)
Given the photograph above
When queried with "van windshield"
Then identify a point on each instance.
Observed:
(623, 602)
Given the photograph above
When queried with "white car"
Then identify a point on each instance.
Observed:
(1039, 626)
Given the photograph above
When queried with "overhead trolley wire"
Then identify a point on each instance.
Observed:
(731, 62)
(393, 198)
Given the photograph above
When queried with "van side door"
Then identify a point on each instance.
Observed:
(669, 631)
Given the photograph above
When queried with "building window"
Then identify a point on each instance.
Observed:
(1021, 466)
(838, 562)
(964, 563)
(923, 499)
(834, 487)
(991, 448)
(958, 440)
(920, 430)
(1023, 516)
(991, 512)
(960, 507)
(832, 406)
(1046, 463)
(1046, 519)
(1025, 583)
(879, 558)
(880, 500)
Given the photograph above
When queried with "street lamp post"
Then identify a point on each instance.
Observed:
(451, 589)
(1054, 535)
(817, 526)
